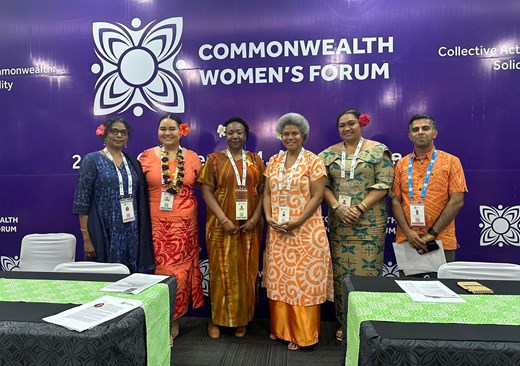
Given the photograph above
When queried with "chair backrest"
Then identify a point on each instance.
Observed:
(92, 267)
(42, 252)
(480, 271)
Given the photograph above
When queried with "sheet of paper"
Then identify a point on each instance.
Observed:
(134, 284)
(96, 312)
(429, 291)
(411, 262)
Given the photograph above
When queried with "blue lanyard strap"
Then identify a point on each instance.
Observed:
(426, 178)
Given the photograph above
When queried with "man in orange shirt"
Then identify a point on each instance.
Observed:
(428, 190)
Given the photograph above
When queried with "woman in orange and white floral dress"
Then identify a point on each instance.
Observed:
(297, 268)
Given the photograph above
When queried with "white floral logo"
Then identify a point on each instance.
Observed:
(10, 263)
(136, 67)
(390, 270)
(204, 270)
(500, 225)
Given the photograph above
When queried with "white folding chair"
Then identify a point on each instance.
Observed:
(92, 267)
(42, 252)
(480, 271)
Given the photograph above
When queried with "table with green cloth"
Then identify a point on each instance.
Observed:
(386, 327)
(140, 337)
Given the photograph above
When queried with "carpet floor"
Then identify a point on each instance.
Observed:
(193, 347)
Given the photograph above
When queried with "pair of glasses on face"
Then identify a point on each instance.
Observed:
(116, 131)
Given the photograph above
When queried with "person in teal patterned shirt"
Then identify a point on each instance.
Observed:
(359, 173)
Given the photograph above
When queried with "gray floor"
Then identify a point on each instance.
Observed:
(193, 347)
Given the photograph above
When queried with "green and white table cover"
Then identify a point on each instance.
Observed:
(399, 307)
(156, 305)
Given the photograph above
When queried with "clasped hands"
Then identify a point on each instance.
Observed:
(231, 228)
(349, 215)
(282, 227)
(418, 239)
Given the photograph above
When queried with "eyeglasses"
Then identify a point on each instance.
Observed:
(115, 132)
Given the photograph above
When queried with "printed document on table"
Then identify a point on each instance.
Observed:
(134, 284)
(429, 291)
(96, 312)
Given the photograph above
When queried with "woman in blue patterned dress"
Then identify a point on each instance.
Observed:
(359, 174)
(112, 203)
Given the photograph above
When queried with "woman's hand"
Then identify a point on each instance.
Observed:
(90, 252)
(274, 224)
(283, 228)
(249, 225)
(290, 225)
(229, 227)
(349, 215)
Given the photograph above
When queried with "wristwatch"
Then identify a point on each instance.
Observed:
(432, 232)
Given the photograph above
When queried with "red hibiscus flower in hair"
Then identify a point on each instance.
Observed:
(100, 130)
(184, 129)
(364, 120)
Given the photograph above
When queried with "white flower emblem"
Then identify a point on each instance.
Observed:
(10, 263)
(500, 225)
(221, 131)
(137, 67)
(390, 270)
(204, 270)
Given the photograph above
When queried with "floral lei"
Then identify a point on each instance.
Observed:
(175, 185)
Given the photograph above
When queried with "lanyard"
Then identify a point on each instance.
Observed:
(119, 175)
(354, 159)
(426, 178)
(244, 168)
(280, 176)
(175, 175)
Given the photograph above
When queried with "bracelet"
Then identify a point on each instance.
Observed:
(360, 210)
(84, 230)
(364, 205)
(223, 222)
(252, 222)
(335, 206)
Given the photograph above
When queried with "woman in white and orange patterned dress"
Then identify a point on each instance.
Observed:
(297, 262)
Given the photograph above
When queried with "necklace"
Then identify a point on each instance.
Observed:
(175, 185)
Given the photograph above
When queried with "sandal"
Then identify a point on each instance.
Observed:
(213, 331)
(175, 329)
(273, 337)
(293, 346)
(339, 334)
(240, 332)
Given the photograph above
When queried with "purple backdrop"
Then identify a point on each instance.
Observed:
(66, 65)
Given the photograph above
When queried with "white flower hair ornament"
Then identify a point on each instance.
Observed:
(221, 131)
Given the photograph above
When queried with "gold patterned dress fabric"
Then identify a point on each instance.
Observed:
(233, 259)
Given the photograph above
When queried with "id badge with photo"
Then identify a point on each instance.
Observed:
(127, 209)
(166, 201)
(241, 204)
(345, 200)
(417, 216)
(284, 215)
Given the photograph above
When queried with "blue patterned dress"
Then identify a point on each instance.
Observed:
(97, 192)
